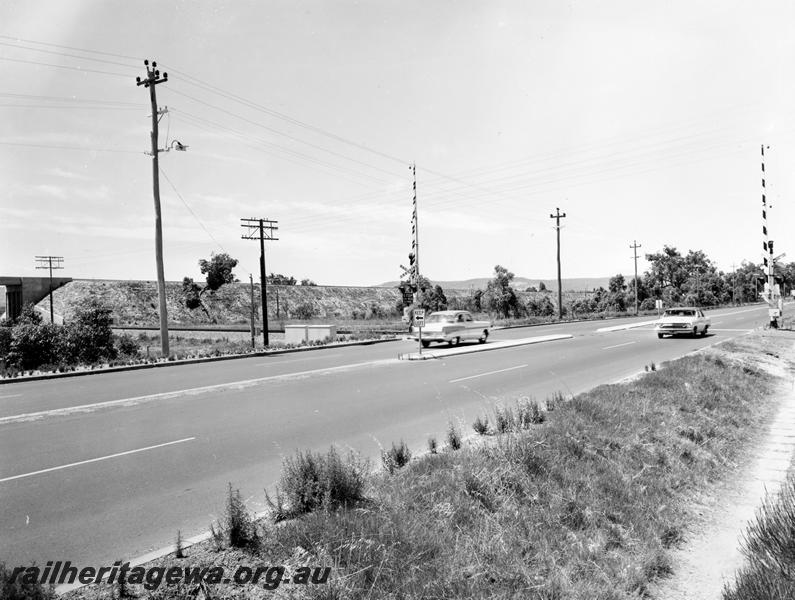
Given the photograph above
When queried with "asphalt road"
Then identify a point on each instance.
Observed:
(111, 465)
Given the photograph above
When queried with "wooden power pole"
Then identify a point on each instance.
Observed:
(253, 227)
(152, 79)
(557, 216)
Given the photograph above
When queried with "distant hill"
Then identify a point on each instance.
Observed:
(575, 284)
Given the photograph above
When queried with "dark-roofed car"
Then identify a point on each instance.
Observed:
(683, 320)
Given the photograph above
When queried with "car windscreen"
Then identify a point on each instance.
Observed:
(436, 318)
(680, 313)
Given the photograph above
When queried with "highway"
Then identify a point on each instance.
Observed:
(110, 466)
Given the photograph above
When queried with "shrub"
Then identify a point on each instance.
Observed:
(127, 345)
(304, 311)
(396, 457)
(504, 420)
(240, 527)
(481, 425)
(310, 481)
(453, 436)
(33, 345)
(529, 413)
(432, 445)
(17, 590)
(89, 335)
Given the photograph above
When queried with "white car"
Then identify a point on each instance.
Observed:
(682, 321)
(453, 327)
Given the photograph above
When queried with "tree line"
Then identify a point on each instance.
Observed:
(690, 279)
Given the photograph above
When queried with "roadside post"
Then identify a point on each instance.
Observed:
(658, 304)
(419, 321)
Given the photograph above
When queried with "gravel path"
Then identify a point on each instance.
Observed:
(713, 555)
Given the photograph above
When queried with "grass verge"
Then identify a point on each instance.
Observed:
(581, 502)
(769, 547)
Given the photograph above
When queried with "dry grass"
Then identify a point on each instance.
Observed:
(584, 503)
(770, 551)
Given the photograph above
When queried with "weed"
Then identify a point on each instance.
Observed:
(397, 457)
(476, 489)
(179, 551)
(310, 481)
(432, 445)
(769, 545)
(240, 526)
(481, 425)
(453, 436)
(528, 413)
(504, 420)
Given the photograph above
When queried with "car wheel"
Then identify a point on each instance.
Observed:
(659, 336)
(482, 339)
(704, 332)
(425, 344)
(695, 331)
(454, 342)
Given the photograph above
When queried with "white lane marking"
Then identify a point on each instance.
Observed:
(717, 322)
(233, 385)
(10, 396)
(281, 362)
(739, 312)
(619, 345)
(712, 329)
(93, 460)
(484, 374)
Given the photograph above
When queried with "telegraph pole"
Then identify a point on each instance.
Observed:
(557, 216)
(635, 245)
(253, 310)
(734, 282)
(253, 226)
(152, 79)
(50, 262)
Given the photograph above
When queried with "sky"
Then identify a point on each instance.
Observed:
(641, 121)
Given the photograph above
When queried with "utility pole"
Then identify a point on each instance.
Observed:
(635, 245)
(50, 262)
(557, 216)
(734, 282)
(152, 79)
(253, 310)
(252, 226)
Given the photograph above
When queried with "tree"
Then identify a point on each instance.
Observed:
(308, 282)
(279, 279)
(218, 270)
(542, 287)
(499, 295)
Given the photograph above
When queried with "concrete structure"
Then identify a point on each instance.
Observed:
(297, 334)
(25, 290)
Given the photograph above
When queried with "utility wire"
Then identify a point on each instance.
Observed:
(195, 216)
(17, 39)
(60, 147)
(33, 62)
(53, 52)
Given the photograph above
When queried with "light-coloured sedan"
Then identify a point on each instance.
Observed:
(453, 327)
(682, 321)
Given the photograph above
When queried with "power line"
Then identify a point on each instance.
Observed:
(82, 70)
(8, 37)
(61, 147)
(100, 60)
